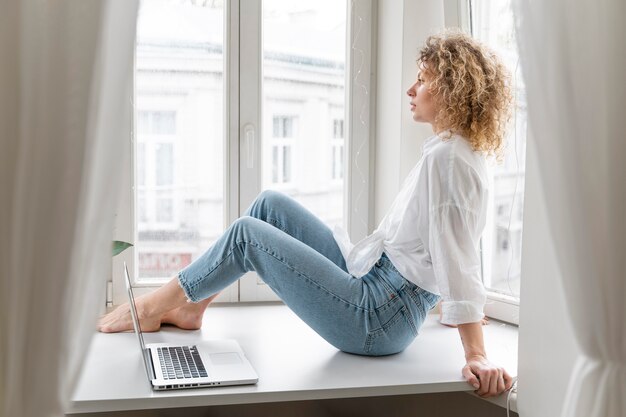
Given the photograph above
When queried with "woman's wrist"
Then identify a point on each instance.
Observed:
(472, 339)
(475, 356)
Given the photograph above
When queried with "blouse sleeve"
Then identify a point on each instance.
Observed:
(454, 235)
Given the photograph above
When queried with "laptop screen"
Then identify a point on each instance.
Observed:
(133, 313)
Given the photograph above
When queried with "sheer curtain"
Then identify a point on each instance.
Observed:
(573, 55)
(64, 91)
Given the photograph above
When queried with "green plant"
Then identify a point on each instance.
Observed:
(119, 247)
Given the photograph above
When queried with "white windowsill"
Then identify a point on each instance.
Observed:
(292, 361)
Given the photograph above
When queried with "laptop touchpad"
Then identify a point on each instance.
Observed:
(225, 358)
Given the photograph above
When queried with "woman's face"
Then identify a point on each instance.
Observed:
(422, 102)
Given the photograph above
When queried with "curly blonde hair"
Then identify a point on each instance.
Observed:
(471, 87)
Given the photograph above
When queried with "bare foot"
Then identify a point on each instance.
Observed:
(188, 317)
(119, 320)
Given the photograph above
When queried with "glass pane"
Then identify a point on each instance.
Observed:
(493, 24)
(287, 130)
(165, 164)
(303, 96)
(164, 123)
(276, 128)
(286, 163)
(165, 210)
(179, 117)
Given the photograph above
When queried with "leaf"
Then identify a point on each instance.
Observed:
(119, 247)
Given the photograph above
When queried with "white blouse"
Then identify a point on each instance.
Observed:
(432, 231)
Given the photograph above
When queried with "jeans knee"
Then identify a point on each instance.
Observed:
(244, 222)
(248, 228)
(265, 200)
(270, 197)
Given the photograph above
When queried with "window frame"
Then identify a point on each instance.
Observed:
(239, 122)
(503, 307)
(358, 130)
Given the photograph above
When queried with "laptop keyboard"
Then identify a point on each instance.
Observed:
(181, 362)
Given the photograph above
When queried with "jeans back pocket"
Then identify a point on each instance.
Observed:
(393, 336)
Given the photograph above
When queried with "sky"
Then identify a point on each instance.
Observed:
(300, 28)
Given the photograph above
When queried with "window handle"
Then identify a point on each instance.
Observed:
(250, 139)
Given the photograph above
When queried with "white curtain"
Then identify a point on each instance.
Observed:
(573, 56)
(64, 96)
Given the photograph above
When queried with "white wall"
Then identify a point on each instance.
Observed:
(547, 349)
(403, 26)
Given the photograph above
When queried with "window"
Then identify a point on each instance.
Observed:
(282, 143)
(283, 127)
(303, 66)
(492, 22)
(157, 122)
(303, 76)
(337, 129)
(179, 134)
(231, 98)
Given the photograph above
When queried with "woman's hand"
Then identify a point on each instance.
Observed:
(488, 379)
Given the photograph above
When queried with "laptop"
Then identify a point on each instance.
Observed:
(209, 363)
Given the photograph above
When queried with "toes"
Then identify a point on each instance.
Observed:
(102, 325)
(110, 323)
(104, 328)
(119, 320)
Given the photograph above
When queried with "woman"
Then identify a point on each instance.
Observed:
(371, 298)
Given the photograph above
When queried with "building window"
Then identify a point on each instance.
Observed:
(164, 164)
(337, 129)
(155, 169)
(281, 164)
(282, 144)
(157, 122)
(283, 127)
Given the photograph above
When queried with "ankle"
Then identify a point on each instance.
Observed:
(146, 310)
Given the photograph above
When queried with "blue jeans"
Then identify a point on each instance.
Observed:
(296, 255)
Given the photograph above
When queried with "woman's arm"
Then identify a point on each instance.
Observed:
(484, 321)
(487, 378)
